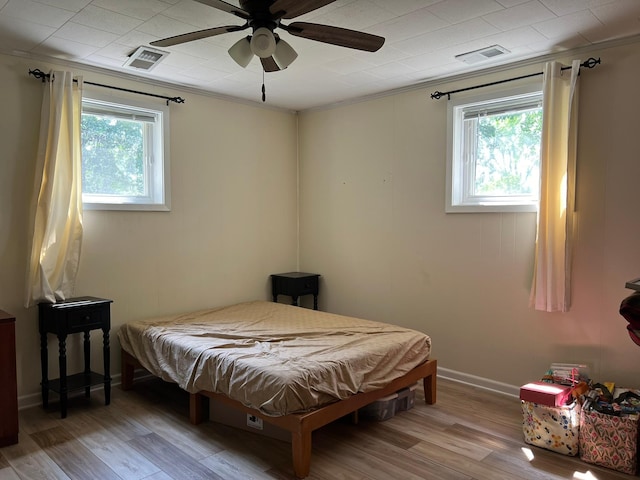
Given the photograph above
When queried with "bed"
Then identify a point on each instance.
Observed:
(296, 368)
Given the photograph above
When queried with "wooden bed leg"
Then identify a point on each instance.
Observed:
(196, 408)
(429, 384)
(301, 450)
(128, 369)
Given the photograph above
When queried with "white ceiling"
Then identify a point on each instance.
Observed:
(422, 39)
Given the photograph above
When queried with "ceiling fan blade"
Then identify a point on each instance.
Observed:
(295, 8)
(191, 36)
(269, 64)
(336, 36)
(226, 7)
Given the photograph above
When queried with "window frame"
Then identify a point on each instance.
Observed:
(458, 179)
(157, 168)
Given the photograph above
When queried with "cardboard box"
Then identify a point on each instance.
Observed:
(542, 393)
(227, 415)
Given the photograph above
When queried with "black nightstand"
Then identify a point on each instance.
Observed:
(74, 315)
(295, 284)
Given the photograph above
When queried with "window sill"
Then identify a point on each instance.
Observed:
(127, 207)
(491, 208)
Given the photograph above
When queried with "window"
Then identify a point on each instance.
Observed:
(125, 155)
(493, 157)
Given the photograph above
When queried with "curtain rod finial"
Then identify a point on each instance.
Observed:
(39, 74)
(591, 62)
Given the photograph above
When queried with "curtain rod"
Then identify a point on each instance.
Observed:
(37, 73)
(590, 63)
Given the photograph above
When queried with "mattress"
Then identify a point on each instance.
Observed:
(276, 358)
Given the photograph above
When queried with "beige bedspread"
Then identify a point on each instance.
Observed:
(276, 358)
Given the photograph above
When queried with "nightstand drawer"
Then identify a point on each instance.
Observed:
(295, 284)
(75, 315)
(85, 319)
(308, 286)
(292, 284)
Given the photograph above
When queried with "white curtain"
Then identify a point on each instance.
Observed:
(56, 209)
(551, 287)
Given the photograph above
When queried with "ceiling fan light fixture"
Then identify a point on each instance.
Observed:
(284, 54)
(263, 17)
(241, 52)
(263, 42)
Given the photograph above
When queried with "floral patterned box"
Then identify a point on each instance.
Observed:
(609, 441)
(553, 428)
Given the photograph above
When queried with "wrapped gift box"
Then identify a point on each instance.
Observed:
(542, 393)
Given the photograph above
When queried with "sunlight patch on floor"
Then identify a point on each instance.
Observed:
(576, 475)
(528, 453)
(584, 476)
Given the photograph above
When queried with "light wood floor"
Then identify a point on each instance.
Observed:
(145, 434)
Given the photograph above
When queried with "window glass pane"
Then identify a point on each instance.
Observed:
(125, 154)
(493, 151)
(113, 156)
(508, 153)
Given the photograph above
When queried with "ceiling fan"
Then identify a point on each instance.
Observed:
(263, 17)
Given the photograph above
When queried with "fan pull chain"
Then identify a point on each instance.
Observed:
(264, 94)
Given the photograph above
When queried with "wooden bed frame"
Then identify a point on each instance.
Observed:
(301, 425)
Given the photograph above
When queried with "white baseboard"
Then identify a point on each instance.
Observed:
(35, 399)
(479, 382)
(28, 401)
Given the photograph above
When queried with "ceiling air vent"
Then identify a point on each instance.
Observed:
(482, 55)
(145, 58)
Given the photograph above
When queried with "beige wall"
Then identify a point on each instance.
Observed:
(232, 223)
(372, 222)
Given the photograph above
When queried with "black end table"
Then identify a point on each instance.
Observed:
(295, 284)
(74, 315)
